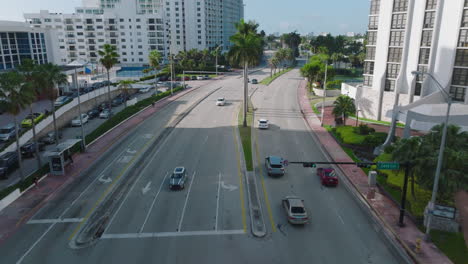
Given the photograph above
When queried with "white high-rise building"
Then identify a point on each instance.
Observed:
(415, 35)
(137, 27)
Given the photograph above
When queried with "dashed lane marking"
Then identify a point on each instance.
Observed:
(173, 234)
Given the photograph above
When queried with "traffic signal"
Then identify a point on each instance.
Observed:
(309, 165)
(363, 165)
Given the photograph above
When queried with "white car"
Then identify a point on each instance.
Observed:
(144, 90)
(77, 122)
(220, 101)
(295, 210)
(105, 114)
(200, 77)
(263, 123)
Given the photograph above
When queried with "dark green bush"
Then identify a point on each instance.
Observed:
(363, 129)
(375, 139)
(389, 148)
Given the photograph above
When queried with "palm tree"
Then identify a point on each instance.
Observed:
(16, 96)
(246, 51)
(124, 87)
(408, 151)
(280, 56)
(275, 62)
(29, 72)
(108, 59)
(49, 76)
(154, 61)
(343, 107)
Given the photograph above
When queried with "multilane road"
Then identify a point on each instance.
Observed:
(207, 222)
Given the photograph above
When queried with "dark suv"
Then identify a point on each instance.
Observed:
(29, 149)
(8, 162)
(274, 165)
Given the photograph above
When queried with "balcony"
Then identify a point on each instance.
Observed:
(111, 28)
(90, 28)
(90, 35)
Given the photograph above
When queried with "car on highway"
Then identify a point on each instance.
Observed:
(28, 120)
(8, 163)
(263, 123)
(105, 114)
(49, 138)
(93, 113)
(29, 149)
(274, 166)
(7, 132)
(254, 81)
(77, 121)
(62, 100)
(327, 176)
(220, 101)
(178, 178)
(295, 210)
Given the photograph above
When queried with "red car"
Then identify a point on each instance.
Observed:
(187, 78)
(327, 176)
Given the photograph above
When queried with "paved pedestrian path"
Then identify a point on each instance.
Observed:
(387, 211)
(21, 210)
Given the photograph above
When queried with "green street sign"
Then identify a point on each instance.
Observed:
(388, 165)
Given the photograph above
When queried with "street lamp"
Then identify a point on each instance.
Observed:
(441, 149)
(78, 64)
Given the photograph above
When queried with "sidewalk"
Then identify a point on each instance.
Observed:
(387, 211)
(19, 212)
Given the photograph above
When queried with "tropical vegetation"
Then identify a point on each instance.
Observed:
(109, 58)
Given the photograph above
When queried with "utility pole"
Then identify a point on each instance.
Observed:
(324, 93)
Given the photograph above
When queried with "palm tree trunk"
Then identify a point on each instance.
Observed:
(412, 185)
(18, 151)
(38, 157)
(245, 94)
(109, 93)
(55, 122)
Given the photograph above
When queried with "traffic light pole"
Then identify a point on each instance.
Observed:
(403, 196)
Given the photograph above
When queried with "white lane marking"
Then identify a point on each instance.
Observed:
(186, 200)
(58, 220)
(154, 201)
(173, 234)
(339, 216)
(228, 187)
(148, 136)
(104, 180)
(131, 151)
(35, 243)
(217, 202)
(146, 188)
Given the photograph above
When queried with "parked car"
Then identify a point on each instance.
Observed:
(77, 121)
(220, 101)
(164, 78)
(327, 176)
(93, 113)
(28, 120)
(295, 210)
(7, 132)
(199, 77)
(274, 165)
(96, 85)
(178, 178)
(105, 114)
(178, 79)
(187, 78)
(118, 101)
(106, 83)
(206, 77)
(62, 100)
(144, 90)
(29, 149)
(254, 81)
(8, 163)
(263, 124)
(193, 78)
(103, 106)
(49, 138)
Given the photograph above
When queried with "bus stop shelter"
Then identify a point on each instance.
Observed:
(60, 156)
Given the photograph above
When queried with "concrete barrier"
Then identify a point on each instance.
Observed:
(9, 199)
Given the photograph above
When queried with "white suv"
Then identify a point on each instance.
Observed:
(221, 101)
(263, 123)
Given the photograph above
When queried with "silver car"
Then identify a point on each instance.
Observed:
(178, 178)
(295, 210)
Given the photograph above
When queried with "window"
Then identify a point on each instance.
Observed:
(397, 38)
(400, 5)
(394, 54)
(461, 59)
(429, 19)
(458, 93)
(389, 85)
(421, 77)
(460, 77)
(424, 55)
(375, 7)
(369, 67)
(426, 38)
(465, 18)
(371, 37)
(398, 21)
(431, 4)
(370, 54)
(368, 80)
(393, 70)
(417, 89)
(463, 39)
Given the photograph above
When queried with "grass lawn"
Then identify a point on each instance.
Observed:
(348, 78)
(269, 80)
(452, 244)
(317, 99)
(348, 135)
(377, 122)
(246, 136)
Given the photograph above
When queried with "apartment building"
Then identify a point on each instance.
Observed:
(19, 42)
(137, 27)
(404, 36)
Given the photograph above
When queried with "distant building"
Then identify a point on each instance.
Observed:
(405, 36)
(350, 34)
(19, 42)
(324, 34)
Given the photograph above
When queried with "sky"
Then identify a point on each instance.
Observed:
(304, 16)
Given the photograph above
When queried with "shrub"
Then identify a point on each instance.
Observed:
(336, 84)
(364, 130)
(374, 139)
(389, 148)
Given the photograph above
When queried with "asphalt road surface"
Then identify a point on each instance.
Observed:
(207, 221)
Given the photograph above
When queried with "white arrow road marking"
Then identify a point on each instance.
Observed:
(125, 159)
(103, 180)
(228, 187)
(147, 188)
(131, 151)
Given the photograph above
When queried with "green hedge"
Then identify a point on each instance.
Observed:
(24, 184)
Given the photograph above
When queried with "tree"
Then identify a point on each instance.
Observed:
(124, 87)
(16, 97)
(109, 58)
(310, 71)
(408, 151)
(49, 76)
(154, 59)
(292, 40)
(246, 50)
(343, 107)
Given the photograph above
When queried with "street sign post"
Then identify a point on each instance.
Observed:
(388, 165)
